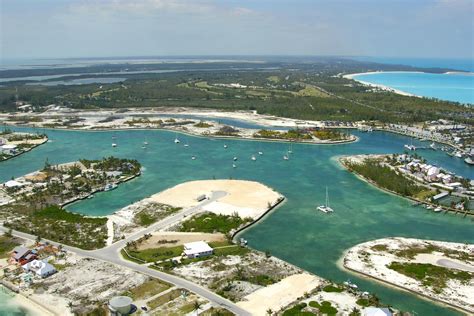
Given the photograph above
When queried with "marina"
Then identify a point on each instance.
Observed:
(363, 211)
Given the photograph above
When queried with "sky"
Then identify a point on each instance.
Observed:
(109, 28)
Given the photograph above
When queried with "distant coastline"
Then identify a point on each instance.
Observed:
(448, 94)
(381, 86)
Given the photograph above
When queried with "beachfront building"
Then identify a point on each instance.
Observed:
(9, 149)
(197, 249)
(41, 268)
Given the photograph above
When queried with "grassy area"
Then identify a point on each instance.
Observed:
(57, 224)
(156, 254)
(147, 289)
(386, 177)
(289, 135)
(203, 125)
(213, 223)
(413, 251)
(216, 311)
(311, 91)
(6, 245)
(332, 288)
(154, 213)
(330, 135)
(297, 310)
(324, 308)
(163, 299)
(430, 275)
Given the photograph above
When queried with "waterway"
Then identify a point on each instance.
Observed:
(295, 232)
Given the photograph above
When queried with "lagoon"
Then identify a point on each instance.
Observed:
(295, 232)
(456, 87)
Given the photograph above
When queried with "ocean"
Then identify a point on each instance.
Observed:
(456, 87)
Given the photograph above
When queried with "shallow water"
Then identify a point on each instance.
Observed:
(7, 306)
(295, 231)
(455, 87)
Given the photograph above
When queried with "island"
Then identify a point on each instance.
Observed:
(436, 270)
(413, 177)
(298, 131)
(13, 144)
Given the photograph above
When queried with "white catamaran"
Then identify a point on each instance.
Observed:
(325, 208)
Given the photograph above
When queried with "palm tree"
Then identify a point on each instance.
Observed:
(197, 307)
(269, 312)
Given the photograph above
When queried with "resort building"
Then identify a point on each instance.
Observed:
(197, 249)
(41, 268)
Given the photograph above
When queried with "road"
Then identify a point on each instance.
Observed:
(111, 254)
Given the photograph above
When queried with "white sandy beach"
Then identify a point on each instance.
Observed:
(280, 294)
(380, 86)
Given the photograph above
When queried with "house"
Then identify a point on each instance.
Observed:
(22, 255)
(41, 268)
(431, 173)
(13, 184)
(376, 311)
(197, 249)
(9, 149)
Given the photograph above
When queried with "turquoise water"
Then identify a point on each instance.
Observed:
(451, 87)
(295, 231)
(7, 308)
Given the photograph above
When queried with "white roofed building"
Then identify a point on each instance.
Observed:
(41, 268)
(197, 249)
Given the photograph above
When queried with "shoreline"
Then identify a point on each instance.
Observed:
(381, 86)
(374, 184)
(44, 141)
(351, 139)
(343, 266)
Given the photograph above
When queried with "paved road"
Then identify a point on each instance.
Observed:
(111, 254)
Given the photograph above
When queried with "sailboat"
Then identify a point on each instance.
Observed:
(114, 145)
(326, 208)
(234, 165)
(285, 157)
(176, 140)
(290, 149)
(433, 146)
(254, 158)
(225, 145)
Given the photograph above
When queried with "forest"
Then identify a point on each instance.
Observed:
(303, 90)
